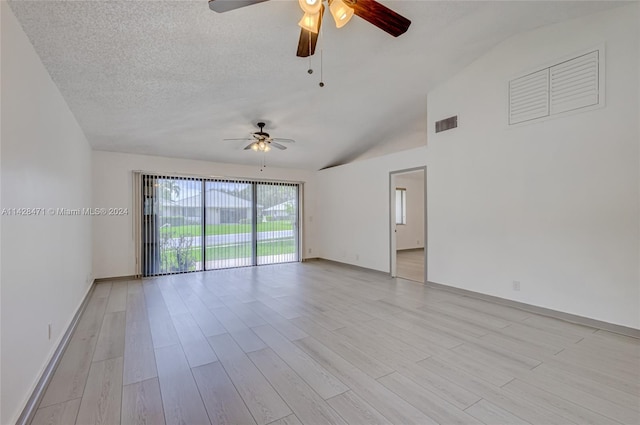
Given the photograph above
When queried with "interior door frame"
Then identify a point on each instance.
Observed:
(392, 220)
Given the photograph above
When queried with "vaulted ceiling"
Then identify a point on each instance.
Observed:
(172, 78)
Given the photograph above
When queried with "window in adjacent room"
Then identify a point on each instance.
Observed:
(401, 206)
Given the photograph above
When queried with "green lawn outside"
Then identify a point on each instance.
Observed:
(283, 246)
(223, 229)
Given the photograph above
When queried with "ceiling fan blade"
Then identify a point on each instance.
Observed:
(221, 6)
(277, 139)
(278, 146)
(308, 40)
(248, 147)
(380, 16)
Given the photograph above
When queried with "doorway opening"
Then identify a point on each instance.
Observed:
(408, 223)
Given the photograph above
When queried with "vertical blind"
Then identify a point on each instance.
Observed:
(187, 224)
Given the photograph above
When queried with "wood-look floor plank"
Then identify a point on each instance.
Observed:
(181, 399)
(379, 340)
(590, 385)
(520, 345)
(102, 398)
(194, 343)
(442, 323)
(263, 401)
(70, 377)
(283, 326)
(117, 297)
(221, 399)
(111, 339)
(514, 404)
(448, 390)
(139, 357)
(511, 314)
(489, 413)
(307, 405)
(621, 368)
(238, 330)
(289, 420)
(390, 405)
(509, 364)
(245, 313)
(355, 410)
(90, 323)
(539, 335)
(339, 344)
(207, 322)
(172, 299)
(428, 402)
(323, 382)
(434, 336)
(582, 398)
(550, 324)
(162, 329)
(629, 383)
(475, 316)
(571, 411)
(58, 414)
(134, 287)
(102, 290)
(142, 403)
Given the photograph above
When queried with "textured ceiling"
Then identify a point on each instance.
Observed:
(172, 78)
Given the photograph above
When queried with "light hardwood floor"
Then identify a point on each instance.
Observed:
(320, 343)
(410, 264)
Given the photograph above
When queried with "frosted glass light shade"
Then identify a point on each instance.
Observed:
(341, 12)
(310, 6)
(309, 22)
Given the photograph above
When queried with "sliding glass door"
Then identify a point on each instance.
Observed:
(229, 218)
(277, 223)
(172, 225)
(192, 224)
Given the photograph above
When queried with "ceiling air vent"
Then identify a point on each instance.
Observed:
(570, 85)
(446, 124)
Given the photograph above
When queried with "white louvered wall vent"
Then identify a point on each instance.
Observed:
(567, 86)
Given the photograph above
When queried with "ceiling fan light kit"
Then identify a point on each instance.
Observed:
(342, 11)
(310, 22)
(311, 7)
(261, 141)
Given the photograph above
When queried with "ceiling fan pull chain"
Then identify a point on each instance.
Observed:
(321, 78)
(321, 51)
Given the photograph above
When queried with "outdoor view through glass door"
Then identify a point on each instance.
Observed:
(191, 224)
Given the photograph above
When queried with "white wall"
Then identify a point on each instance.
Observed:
(46, 260)
(352, 210)
(113, 244)
(553, 204)
(411, 234)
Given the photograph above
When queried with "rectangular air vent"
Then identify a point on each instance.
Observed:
(569, 85)
(574, 84)
(446, 124)
(529, 97)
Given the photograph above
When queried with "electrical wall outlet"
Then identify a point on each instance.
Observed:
(49, 331)
(516, 285)
(357, 257)
(309, 250)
